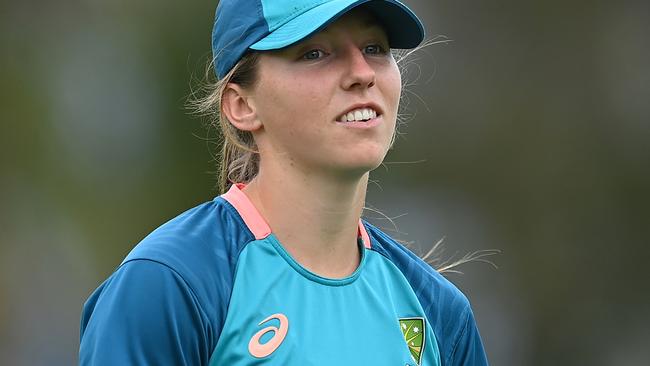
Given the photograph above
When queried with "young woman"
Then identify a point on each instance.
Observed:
(280, 269)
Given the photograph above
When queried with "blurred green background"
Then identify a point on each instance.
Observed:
(529, 133)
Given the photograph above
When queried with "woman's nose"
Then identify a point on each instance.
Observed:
(359, 73)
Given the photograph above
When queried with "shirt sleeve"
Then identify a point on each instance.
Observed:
(468, 350)
(144, 314)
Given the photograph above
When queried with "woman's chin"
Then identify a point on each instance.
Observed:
(357, 167)
(346, 163)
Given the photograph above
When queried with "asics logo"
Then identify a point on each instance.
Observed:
(260, 350)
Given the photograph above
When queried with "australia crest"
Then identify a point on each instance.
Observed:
(414, 335)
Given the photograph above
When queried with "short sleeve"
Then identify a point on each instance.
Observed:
(144, 314)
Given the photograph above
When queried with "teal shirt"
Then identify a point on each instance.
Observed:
(349, 321)
(213, 286)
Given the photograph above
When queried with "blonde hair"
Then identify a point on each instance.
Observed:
(239, 158)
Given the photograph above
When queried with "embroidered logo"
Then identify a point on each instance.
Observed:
(414, 335)
(260, 350)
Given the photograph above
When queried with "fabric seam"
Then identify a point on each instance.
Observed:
(452, 354)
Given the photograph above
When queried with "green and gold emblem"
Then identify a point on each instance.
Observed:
(414, 335)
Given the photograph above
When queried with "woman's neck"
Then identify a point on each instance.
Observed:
(316, 219)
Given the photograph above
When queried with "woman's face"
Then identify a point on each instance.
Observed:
(305, 95)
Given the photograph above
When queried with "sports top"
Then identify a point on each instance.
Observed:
(214, 286)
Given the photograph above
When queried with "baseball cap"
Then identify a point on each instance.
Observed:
(242, 25)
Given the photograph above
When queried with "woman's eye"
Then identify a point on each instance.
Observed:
(374, 49)
(313, 55)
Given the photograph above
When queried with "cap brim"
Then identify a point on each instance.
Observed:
(402, 26)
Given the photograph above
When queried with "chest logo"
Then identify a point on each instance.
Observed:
(414, 335)
(260, 350)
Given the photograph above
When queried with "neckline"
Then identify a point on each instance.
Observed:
(327, 281)
(261, 230)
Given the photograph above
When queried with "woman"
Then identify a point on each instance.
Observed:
(280, 270)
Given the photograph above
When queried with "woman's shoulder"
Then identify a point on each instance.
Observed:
(211, 229)
(201, 242)
(447, 308)
(175, 284)
(422, 276)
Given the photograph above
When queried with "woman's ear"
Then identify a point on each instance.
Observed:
(239, 110)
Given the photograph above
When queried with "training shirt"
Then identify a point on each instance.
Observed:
(214, 286)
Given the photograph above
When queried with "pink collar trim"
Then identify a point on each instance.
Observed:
(254, 220)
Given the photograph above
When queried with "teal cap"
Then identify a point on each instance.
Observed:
(243, 25)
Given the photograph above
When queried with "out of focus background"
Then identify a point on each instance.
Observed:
(528, 133)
